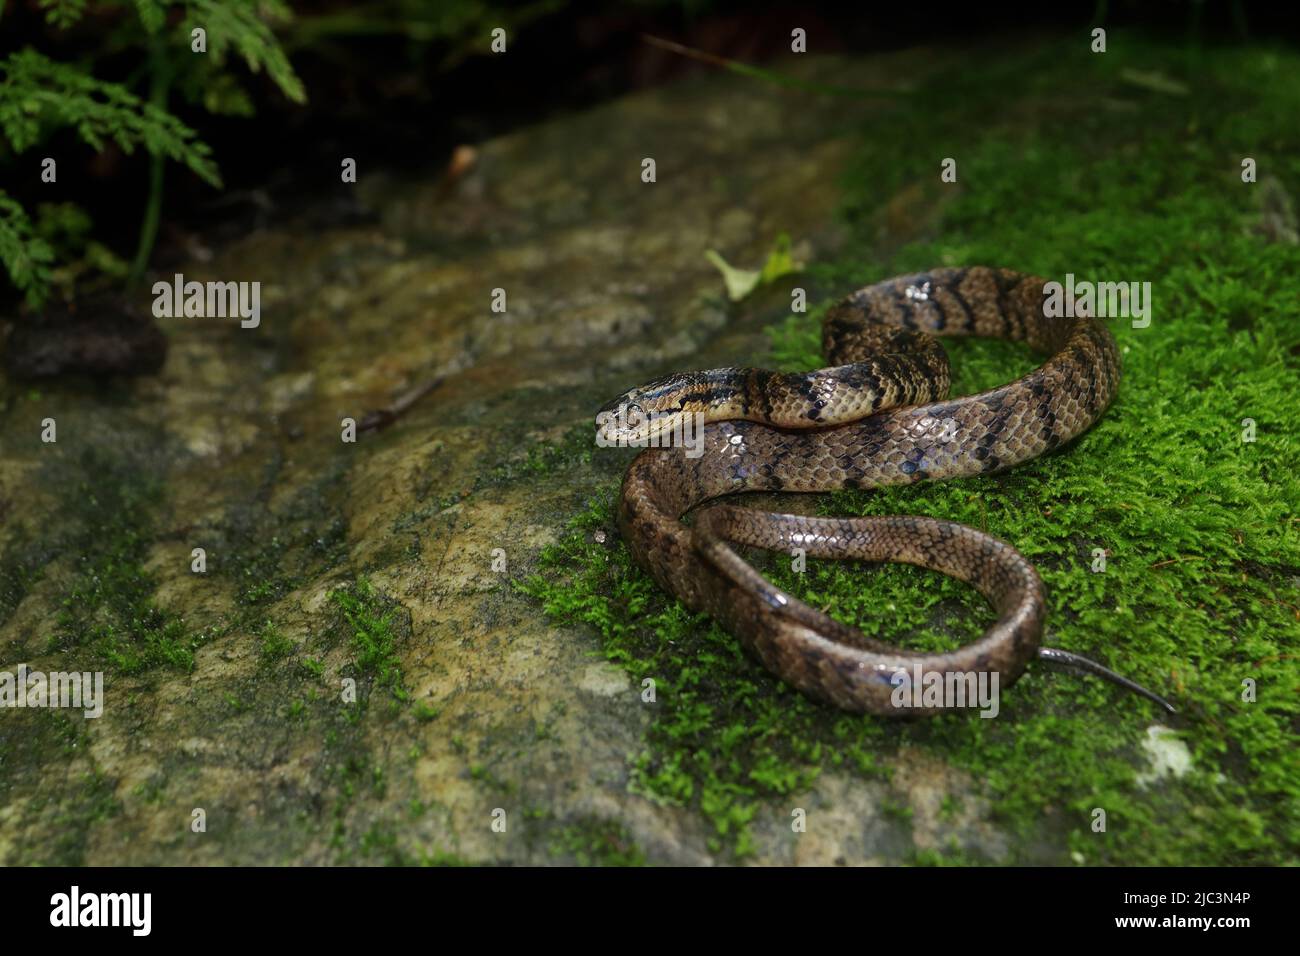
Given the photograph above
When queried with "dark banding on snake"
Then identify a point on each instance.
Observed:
(903, 429)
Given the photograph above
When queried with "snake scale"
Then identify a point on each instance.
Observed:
(878, 415)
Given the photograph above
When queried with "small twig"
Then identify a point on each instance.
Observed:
(383, 417)
(1188, 557)
(744, 69)
(1271, 658)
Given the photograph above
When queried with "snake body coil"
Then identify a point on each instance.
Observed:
(879, 416)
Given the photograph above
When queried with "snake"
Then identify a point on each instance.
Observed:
(879, 414)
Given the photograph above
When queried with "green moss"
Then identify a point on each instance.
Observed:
(484, 774)
(371, 620)
(268, 552)
(94, 802)
(949, 856)
(1108, 181)
(66, 820)
(596, 842)
(381, 843)
(109, 608)
(442, 858)
(542, 458)
(274, 645)
(725, 733)
(539, 459)
(21, 566)
(425, 712)
(152, 791)
(59, 815)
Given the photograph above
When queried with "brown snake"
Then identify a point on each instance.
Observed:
(879, 416)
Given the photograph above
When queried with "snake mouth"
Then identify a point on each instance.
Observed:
(623, 422)
(620, 421)
(895, 425)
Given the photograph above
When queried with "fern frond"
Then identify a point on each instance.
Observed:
(26, 256)
(63, 13)
(241, 25)
(37, 94)
(152, 15)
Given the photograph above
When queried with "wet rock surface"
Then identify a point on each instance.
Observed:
(387, 563)
(104, 336)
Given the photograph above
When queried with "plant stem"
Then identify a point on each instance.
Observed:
(159, 83)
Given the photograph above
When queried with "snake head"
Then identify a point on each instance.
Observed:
(641, 414)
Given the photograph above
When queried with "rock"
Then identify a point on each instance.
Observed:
(355, 675)
(101, 336)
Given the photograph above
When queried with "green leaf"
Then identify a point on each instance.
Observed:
(741, 282)
(26, 256)
(63, 13)
(239, 24)
(151, 14)
(38, 94)
(780, 261)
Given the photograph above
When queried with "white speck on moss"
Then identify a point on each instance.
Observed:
(1167, 754)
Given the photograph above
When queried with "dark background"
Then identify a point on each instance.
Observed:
(401, 103)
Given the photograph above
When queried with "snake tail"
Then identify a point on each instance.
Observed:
(878, 414)
(1076, 662)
